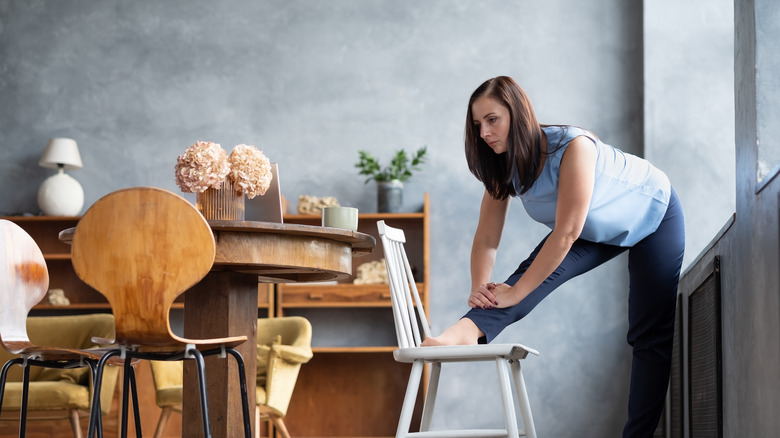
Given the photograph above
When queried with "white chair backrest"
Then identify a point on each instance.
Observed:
(24, 280)
(403, 290)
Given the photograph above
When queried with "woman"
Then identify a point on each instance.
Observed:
(599, 202)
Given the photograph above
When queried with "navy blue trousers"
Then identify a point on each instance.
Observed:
(654, 270)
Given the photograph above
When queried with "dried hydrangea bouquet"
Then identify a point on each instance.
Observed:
(221, 180)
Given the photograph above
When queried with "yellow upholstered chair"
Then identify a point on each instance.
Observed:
(63, 393)
(168, 381)
(283, 344)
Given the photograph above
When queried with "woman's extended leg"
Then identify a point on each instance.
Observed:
(483, 325)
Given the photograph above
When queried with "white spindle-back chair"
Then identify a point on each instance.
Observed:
(412, 328)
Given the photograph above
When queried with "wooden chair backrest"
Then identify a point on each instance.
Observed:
(141, 248)
(403, 290)
(24, 281)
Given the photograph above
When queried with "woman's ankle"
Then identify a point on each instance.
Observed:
(463, 332)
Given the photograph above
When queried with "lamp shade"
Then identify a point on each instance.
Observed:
(61, 152)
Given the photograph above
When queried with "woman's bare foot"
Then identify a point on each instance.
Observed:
(463, 332)
(433, 341)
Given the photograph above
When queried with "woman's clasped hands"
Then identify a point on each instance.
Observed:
(492, 295)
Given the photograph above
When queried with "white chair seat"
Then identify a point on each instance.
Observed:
(465, 433)
(463, 353)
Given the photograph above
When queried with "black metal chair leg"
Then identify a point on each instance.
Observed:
(92, 369)
(25, 398)
(204, 410)
(94, 413)
(136, 411)
(4, 375)
(125, 390)
(244, 396)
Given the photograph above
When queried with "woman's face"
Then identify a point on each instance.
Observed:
(491, 118)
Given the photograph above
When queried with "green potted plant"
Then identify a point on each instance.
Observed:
(390, 179)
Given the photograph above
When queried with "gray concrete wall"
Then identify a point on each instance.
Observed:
(689, 109)
(311, 83)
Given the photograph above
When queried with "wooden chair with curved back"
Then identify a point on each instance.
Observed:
(24, 282)
(142, 248)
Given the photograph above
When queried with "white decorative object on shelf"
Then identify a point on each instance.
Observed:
(57, 297)
(60, 194)
(308, 204)
(372, 273)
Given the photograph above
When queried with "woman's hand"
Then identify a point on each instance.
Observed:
(493, 295)
(506, 295)
(482, 296)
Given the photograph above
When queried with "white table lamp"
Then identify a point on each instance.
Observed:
(60, 194)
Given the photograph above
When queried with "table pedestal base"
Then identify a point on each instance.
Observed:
(222, 304)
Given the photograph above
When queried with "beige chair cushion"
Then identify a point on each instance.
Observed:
(52, 388)
(62, 331)
(79, 376)
(47, 396)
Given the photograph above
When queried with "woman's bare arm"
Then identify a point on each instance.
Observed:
(492, 216)
(575, 189)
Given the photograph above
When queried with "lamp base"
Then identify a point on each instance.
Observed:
(60, 195)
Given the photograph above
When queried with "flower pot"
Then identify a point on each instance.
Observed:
(390, 196)
(221, 204)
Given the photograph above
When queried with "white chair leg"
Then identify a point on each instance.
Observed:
(279, 426)
(522, 400)
(510, 417)
(409, 399)
(162, 421)
(257, 422)
(75, 425)
(430, 397)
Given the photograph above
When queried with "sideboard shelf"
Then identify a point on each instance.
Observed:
(57, 257)
(336, 295)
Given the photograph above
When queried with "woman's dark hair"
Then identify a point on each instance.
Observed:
(524, 141)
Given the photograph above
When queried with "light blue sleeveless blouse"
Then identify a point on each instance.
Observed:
(630, 196)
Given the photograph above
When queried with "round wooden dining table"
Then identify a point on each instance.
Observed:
(225, 302)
